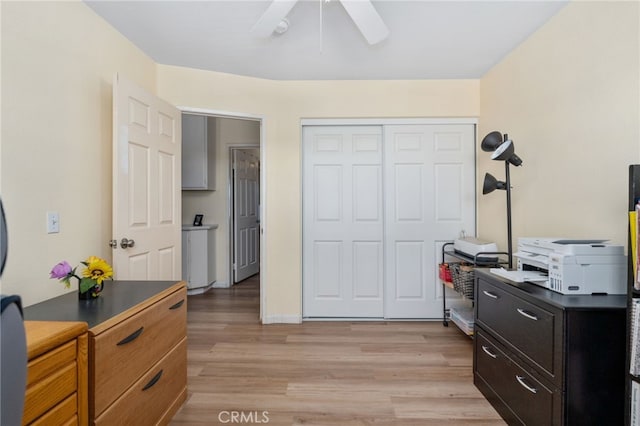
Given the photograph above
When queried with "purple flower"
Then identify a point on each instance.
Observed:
(61, 270)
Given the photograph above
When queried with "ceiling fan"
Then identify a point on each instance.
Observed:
(362, 12)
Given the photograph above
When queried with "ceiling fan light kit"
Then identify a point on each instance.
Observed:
(361, 12)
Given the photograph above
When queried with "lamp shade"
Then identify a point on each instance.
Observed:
(490, 184)
(491, 142)
(506, 152)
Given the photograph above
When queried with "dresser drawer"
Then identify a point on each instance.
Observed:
(50, 362)
(123, 353)
(65, 413)
(147, 400)
(51, 378)
(529, 401)
(535, 332)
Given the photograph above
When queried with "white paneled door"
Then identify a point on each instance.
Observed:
(146, 185)
(429, 199)
(246, 223)
(378, 202)
(343, 222)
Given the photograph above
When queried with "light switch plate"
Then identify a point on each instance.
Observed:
(53, 222)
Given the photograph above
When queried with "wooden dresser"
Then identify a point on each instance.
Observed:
(543, 358)
(137, 369)
(56, 373)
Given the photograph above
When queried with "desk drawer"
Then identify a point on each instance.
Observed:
(65, 413)
(147, 400)
(51, 378)
(530, 401)
(46, 393)
(532, 330)
(126, 351)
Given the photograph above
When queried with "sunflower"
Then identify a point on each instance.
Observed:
(97, 269)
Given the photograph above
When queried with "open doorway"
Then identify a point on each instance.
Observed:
(245, 132)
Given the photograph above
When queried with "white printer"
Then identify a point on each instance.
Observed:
(575, 266)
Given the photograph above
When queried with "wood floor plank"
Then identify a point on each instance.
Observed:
(334, 373)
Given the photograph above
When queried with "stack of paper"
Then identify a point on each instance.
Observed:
(520, 276)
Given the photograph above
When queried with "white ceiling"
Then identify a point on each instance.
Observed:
(428, 40)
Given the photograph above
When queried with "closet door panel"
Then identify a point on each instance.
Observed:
(342, 222)
(328, 260)
(429, 198)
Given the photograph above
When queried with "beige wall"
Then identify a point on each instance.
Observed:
(568, 96)
(283, 105)
(569, 99)
(215, 204)
(58, 62)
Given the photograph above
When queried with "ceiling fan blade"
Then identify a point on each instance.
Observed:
(367, 19)
(276, 12)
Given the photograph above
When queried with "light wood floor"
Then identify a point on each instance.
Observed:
(324, 373)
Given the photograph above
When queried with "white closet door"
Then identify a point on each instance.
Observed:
(343, 221)
(429, 198)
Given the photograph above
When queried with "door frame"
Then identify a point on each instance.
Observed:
(263, 186)
(375, 122)
(230, 201)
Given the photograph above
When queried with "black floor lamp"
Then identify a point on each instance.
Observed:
(503, 150)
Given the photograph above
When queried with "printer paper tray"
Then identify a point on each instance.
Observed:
(520, 276)
(533, 259)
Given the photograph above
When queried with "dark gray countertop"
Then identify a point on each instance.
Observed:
(116, 297)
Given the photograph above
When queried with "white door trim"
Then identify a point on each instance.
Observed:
(383, 121)
(263, 188)
(222, 114)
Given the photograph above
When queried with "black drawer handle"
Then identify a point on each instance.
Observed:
(488, 352)
(152, 381)
(520, 380)
(130, 338)
(177, 305)
(491, 295)
(527, 314)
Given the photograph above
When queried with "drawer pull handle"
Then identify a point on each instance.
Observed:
(488, 352)
(130, 338)
(491, 295)
(153, 381)
(520, 380)
(177, 305)
(527, 314)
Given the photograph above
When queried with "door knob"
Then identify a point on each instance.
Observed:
(124, 243)
(113, 244)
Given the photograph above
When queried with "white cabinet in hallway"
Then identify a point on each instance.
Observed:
(198, 152)
(198, 257)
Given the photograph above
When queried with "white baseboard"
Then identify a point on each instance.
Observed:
(282, 319)
(220, 284)
(199, 290)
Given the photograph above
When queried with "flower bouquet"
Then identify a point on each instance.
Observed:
(90, 285)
